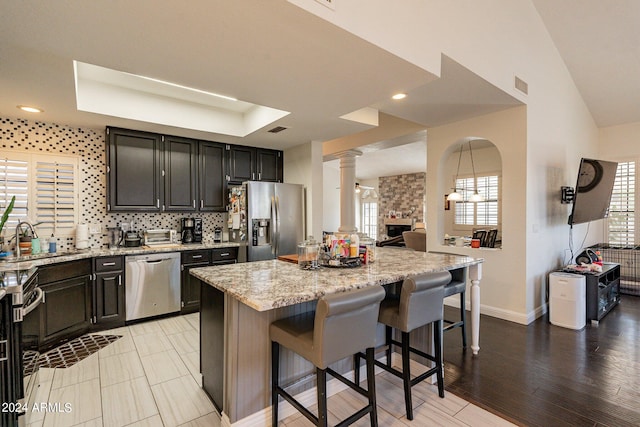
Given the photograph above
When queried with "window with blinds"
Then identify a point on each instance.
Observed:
(370, 219)
(621, 220)
(46, 191)
(14, 181)
(478, 213)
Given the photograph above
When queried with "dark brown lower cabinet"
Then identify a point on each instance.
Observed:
(109, 299)
(66, 312)
(108, 292)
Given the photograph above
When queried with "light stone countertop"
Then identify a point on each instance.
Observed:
(265, 285)
(29, 262)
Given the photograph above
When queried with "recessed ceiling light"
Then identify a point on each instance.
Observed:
(30, 109)
(399, 96)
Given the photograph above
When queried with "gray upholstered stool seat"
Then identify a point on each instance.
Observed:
(420, 304)
(342, 325)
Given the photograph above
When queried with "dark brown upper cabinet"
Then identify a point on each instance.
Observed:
(212, 185)
(254, 164)
(134, 171)
(180, 174)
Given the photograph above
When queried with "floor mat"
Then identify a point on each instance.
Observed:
(72, 352)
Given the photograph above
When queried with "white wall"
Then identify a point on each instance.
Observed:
(303, 165)
(498, 40)
(331, 198)
(620, 143)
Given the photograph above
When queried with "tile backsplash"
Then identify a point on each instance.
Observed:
(89, 145)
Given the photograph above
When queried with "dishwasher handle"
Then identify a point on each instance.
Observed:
(156, 261)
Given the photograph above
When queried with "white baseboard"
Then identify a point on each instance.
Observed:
(511, 316)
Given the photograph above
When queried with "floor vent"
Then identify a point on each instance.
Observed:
(277, 129)
(521, 85)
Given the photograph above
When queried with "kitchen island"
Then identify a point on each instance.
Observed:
(240, 301)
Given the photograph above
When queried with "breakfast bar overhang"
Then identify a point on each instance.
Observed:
(240, 301)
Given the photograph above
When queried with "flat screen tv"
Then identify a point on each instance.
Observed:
(593, 190)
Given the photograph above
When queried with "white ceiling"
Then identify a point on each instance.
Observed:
(248, 53)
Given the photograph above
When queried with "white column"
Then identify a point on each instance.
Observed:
(348, 190)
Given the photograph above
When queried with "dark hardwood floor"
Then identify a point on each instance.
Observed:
(545, 375)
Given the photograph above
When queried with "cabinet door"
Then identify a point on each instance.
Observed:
(190, 290)
(66, 312)
(109, 299)
(134, 171)
(212, 182)
(180, 163)
(269, 165)
(242, 161)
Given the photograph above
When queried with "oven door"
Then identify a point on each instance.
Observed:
(29, 354)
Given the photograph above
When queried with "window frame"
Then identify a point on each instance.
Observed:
(365, 227)
(636, 204)
(30, 211)
(464, 229)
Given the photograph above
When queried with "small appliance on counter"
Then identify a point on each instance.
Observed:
(132, 239)
(82, 236)
(191, 230)
(187, 230)
(114, 235)
(217, 234)
(159, 237)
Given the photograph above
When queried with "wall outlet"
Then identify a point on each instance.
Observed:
(94, 228)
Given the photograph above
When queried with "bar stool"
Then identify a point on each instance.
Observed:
(343, 324)
(456, 286)
(420, 304)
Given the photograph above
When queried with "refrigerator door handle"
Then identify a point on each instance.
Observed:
(277, 221)
(273, 226)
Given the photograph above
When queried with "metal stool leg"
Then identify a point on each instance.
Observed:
(371, 386)
(321, 379)
(275, 375)
(388, 338)
(406, 375)
(356, 368)
(437, 340)
(463, 319)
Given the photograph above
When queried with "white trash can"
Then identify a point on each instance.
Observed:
(567, 300)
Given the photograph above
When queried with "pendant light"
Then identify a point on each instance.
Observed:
(475, 197)
(456, 196)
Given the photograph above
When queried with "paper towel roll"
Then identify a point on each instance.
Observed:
(82, 236)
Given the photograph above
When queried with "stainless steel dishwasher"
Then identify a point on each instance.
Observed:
(152, 285)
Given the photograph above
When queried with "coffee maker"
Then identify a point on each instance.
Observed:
(188, 230)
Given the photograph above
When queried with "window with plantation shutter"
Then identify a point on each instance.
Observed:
(621, 220)
(55, 194)
(46, 191)
(14, 181)
(478, 213)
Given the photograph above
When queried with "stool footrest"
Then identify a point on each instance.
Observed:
(304, 411)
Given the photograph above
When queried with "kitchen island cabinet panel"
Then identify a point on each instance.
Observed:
(134, 171)
(180, 163)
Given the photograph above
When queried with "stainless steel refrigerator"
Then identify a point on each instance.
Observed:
(267, 217)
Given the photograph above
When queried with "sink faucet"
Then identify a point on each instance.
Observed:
(33, 233)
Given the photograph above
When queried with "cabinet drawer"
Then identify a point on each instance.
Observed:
(65, 270)
(192, 257)
(224, 254)
(110, 263)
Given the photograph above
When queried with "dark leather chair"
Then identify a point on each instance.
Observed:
(342, 325)
(490, 239)
(420, 303)
(416, 240)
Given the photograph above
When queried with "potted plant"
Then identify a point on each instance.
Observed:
(3, 220)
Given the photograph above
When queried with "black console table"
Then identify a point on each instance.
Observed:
(603, 290)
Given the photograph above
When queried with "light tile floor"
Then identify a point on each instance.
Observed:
(150, 377)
